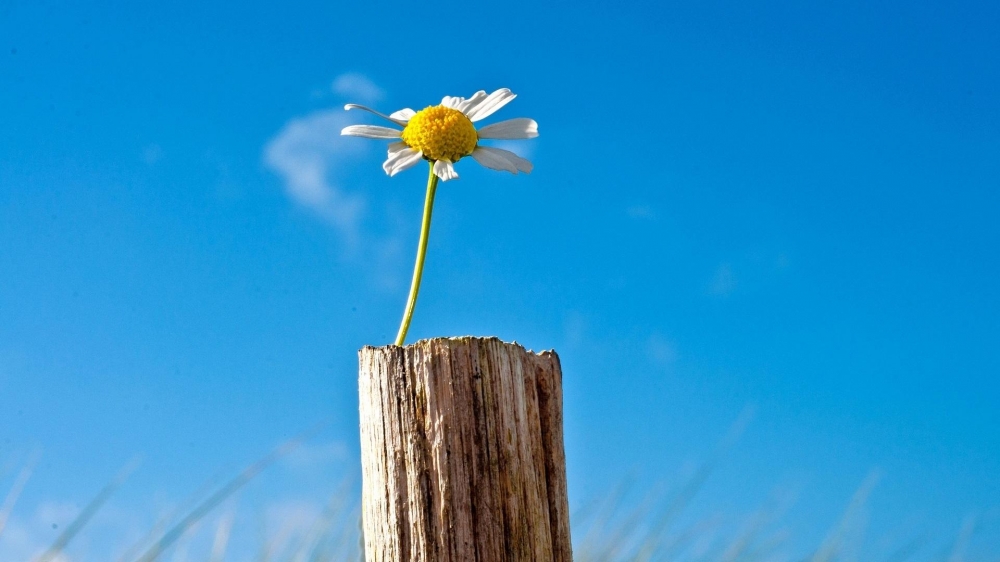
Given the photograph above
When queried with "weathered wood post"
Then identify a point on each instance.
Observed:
(462, 453)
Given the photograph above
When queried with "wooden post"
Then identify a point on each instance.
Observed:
(462, 453)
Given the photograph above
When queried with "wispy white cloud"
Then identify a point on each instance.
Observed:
(724, 281)
(309, 153)
(26, 538)
(304, 153)
(357, 87)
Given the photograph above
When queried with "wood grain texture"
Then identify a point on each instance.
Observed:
(462, 453)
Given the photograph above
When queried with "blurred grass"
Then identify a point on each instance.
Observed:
(86, 514)
(632, 523)
(15, 491)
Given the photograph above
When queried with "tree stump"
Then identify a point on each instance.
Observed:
(462, 453)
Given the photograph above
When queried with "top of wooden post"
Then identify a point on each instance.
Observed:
(463, 340)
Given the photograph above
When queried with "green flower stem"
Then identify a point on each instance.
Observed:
(418, 269)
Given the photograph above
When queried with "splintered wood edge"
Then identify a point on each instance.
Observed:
(464, 339)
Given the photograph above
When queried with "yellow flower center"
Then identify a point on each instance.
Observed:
(441, 133)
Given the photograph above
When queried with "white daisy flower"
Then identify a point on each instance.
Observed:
(444, 134)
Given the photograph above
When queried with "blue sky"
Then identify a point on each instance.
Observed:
(786, 207)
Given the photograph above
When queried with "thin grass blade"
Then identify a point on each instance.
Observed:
(210, 503)
(87, 513)
(17, 488)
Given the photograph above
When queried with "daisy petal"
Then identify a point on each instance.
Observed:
(490, 104)
(444, 170)
(392, 117)
(467, 105)
(371, 132)
(520, 128)
(472, 102)
(401, 157)
(396, 147)
(492, 161)
(462, 104)
(403, 115)
(500, 159)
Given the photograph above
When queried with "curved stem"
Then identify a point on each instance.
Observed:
(418, 269)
